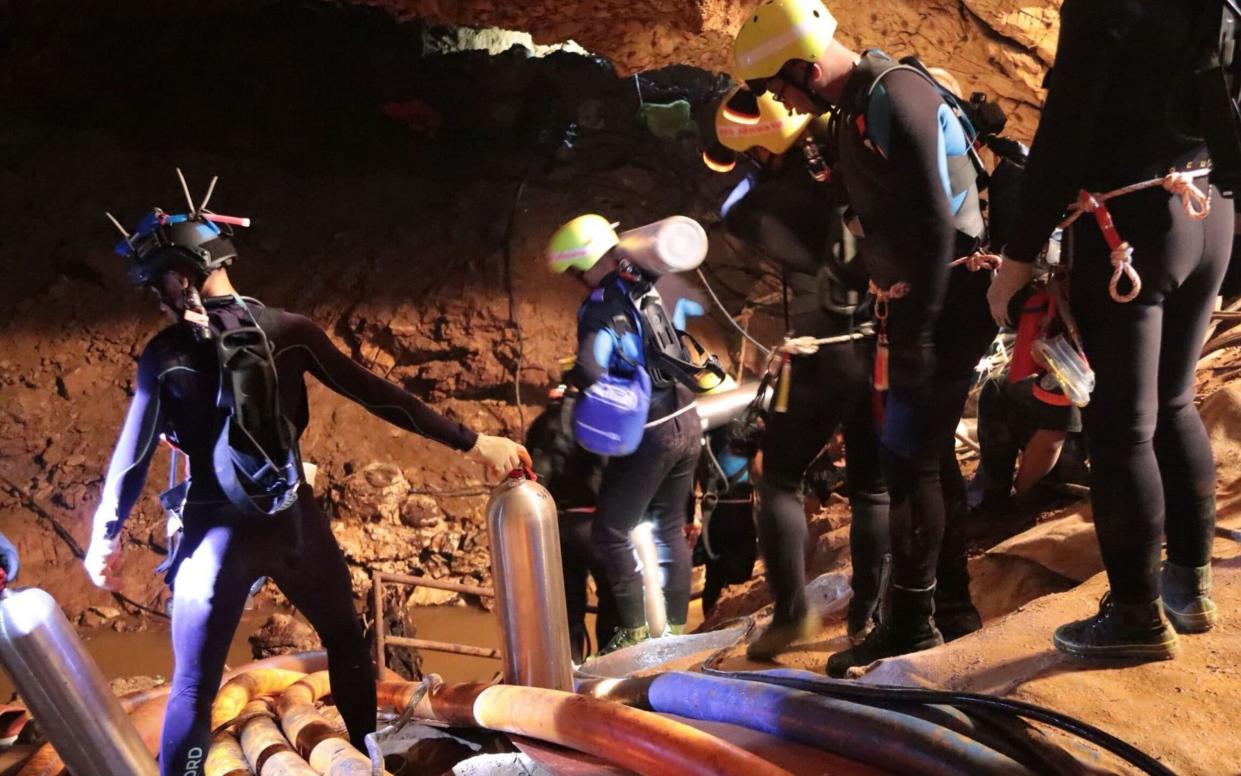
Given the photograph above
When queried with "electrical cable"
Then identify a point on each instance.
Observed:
(766, 351)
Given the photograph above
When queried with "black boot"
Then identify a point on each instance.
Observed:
(955, 615)
(1187, 598)
(1120, 631)
(910, 628)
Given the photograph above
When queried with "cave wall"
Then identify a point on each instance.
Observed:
(1002, 47)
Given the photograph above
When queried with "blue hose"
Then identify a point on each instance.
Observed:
(886, 739)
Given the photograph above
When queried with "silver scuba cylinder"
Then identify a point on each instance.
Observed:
(529, 584)
(719, 409)
(65, 690)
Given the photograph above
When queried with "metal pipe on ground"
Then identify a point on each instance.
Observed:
(146, 710)
(879, 737)
(637, 740)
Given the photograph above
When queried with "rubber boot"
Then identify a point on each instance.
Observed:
(1187, 598)
(866, 607)
(625, 637)
(955, 614)
(1121, 632)
(780, 636)
(673, 629)
(910, 628)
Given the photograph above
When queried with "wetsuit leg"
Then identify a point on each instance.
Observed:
(790, 443)
(1186, 462)
(629, 483)
(210, 585)
(869, 542)
(998, 443)
(575, 559)
(318, 583)
(1144, 363)
(668, 512)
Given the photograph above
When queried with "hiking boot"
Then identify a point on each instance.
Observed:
(625, 637)
(1120, 631)
(1187, 598)
(908, 629)
(955, 615)
(780, 636)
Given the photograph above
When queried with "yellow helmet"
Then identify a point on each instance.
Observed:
(776, 130)
(780, 30)
(580, 243)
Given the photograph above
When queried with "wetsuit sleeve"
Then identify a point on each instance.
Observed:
(378, 396)
(1072, 114)
(920, 239)
(132, 457)
(594, 350)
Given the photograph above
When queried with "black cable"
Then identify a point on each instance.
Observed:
(512, 304)
(963, 700)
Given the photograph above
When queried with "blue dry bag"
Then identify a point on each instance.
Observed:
(610, 416)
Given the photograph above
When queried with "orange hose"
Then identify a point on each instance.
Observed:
(240, 690)
(146, 709)
(637, 740)
(266, 748)
(315, 738)
(225, 757)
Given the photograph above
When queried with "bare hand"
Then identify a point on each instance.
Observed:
(102, 561)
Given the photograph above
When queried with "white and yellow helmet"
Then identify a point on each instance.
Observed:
(778, 31)
(776, 129)
(580, 243)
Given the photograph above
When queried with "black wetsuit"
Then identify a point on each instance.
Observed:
(794, 220)
(223, 551)
(939, 331)
(655, 482)
(572, 475)
(1117, 80)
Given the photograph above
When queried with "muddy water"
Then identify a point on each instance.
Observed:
(149, 652)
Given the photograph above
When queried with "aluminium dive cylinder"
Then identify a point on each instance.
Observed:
(529, 584)
(65, 690)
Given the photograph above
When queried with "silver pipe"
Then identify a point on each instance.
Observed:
(65, 690)
(529, 585)
(647, 558)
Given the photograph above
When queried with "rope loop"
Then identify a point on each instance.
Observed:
(978, 261)
(884, 296)
(1122, 265)
(1197, 203)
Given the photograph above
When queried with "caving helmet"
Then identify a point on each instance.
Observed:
(581, 243)
(779, 31)
(776, 130)
(197, 242)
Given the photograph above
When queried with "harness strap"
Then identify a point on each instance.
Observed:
(1195, 202)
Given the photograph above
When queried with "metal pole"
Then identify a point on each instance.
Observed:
(445, 646)
(381, 657)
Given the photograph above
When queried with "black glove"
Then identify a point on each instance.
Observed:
(8, 558)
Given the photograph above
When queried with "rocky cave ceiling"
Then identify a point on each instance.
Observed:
(1001, 47)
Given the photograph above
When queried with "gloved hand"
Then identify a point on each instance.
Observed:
(8, 558)
(1011, 277)
(498, 454)
(103, 555)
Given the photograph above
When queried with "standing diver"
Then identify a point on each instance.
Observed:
(233, 537)
(624, 333)
(1127, 65)
(904, 159)
(780, 208)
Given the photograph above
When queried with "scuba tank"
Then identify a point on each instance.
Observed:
(65, 690)
(529, 583)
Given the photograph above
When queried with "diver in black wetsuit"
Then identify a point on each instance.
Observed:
(780, 208)
(224, 550)
(901, 156)
(1118, 84)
